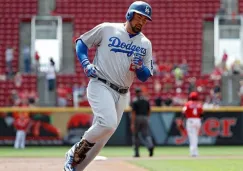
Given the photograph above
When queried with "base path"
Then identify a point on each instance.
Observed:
(56, 164)
(111, 164)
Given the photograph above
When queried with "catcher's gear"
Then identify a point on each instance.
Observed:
(139, 7)
(90, 70)
(80, 151)
(137, 61)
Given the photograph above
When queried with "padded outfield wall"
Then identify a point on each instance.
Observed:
(65, 126)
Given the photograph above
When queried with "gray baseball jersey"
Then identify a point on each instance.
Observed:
(115, 50)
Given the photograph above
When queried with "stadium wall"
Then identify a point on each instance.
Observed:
(65, 126)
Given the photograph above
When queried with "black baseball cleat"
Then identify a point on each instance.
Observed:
(136, 155)
(151, 152)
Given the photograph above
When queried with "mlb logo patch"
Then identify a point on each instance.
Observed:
(147, 10)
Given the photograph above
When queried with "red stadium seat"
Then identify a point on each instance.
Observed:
(178, 34)
(9, 31)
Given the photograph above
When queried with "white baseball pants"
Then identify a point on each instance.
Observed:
(20, 139)
(107, 106)
(193, 126)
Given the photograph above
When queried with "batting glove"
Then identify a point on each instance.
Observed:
(90, 71)
(137, 61)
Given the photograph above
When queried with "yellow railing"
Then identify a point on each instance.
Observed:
(88, 109)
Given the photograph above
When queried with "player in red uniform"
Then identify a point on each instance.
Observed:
(193, 111)
(21, 124)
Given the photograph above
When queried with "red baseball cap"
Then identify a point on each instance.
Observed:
(193, 96)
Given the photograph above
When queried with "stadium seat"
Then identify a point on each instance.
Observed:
(10, 13)
(178, 33)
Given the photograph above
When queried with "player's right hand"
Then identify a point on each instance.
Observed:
(137, 61)
(90, 71)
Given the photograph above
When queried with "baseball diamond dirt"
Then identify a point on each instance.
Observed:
(56, 164)
(115, 163)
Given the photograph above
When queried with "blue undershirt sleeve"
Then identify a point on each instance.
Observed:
(143, 73)
(82, 53)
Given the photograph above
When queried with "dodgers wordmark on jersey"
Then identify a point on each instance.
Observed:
(115, 50)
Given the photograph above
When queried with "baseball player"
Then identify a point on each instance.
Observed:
(193, 111)
(122, 53)
(21, 124)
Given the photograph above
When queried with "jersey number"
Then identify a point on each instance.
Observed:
(194, 111)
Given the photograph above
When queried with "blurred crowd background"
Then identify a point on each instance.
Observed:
(39, 66)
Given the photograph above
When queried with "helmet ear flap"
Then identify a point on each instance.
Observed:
(129, 16)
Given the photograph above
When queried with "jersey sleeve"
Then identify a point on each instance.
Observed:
(184, 109)
(93, 37)
(148, 61)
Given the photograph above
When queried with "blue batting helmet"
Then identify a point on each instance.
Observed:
(139, 7)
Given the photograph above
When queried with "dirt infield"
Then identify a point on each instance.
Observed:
(56, 164)
(117, 164)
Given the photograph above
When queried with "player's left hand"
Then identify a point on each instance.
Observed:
(90, 71)
(137, 61)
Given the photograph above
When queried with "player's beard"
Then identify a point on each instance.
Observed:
(135, 28)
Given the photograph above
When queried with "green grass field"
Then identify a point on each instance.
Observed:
(192, 165)
(219, 158)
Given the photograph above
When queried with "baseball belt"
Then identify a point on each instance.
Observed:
(114, 87)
